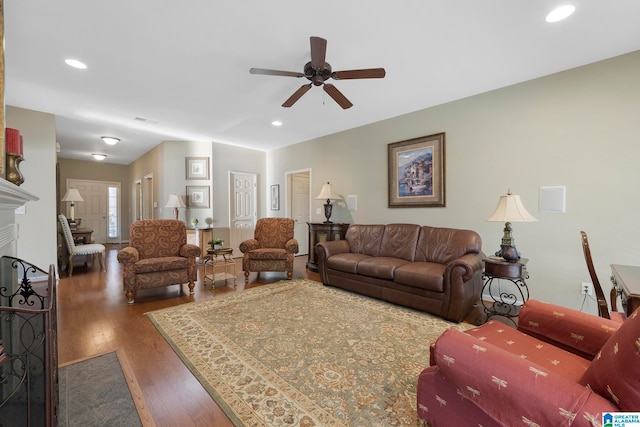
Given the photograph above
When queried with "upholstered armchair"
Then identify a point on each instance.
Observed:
(87, 250)
(272, 248)
(158, 255)
(561, 367)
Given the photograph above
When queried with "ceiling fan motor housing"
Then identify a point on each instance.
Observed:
(317, 76)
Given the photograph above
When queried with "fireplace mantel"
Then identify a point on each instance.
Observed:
(12, 197)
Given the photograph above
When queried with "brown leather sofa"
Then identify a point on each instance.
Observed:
(436, 270)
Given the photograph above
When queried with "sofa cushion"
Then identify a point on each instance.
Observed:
(346, 262)
(365, 239)
(380, 267)
(399, 241)
(443, 245)
(615, 371)
(151, 265)
(424, 275)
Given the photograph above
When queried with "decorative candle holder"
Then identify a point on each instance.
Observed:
(14, 175)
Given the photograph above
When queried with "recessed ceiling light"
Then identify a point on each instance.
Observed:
(560, 13)
(76, 64)
(99, 156)
(111, 140)
(276, 123)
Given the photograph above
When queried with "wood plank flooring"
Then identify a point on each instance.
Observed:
(94, 318)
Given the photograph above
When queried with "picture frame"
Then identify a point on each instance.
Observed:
(417, 172)
(197, 167)
(198, 196)
(275, 197)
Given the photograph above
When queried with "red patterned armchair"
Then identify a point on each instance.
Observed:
(158, 255)
(272, 248)
(561, 367)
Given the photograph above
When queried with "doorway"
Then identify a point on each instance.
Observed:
(242, 208)
(100, 210)
(298, 189)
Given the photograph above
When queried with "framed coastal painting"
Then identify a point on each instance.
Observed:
(197, 167)
(198, 196)
(417, 172)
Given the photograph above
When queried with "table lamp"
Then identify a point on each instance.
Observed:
(72, 195)
(510, 209)
(329, 193)
(175, 202)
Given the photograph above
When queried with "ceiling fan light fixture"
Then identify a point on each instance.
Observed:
(110, 140)
(560, 13)
(99, 156)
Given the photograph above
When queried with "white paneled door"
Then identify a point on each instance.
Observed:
(93, 211)
(300, 208)
(243, 208)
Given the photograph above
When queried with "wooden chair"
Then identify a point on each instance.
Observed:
(603, 308)
(86, 250)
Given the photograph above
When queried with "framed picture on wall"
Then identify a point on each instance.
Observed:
(275, 197)
(198, 196)
(197, 167)
(416, 172)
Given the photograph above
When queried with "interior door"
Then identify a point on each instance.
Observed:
(300, 208)
(93, 211)
(243, 208)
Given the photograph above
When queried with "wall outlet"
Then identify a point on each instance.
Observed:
(586, 288)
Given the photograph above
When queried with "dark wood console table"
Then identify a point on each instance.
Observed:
(323, 232)
(626, 283)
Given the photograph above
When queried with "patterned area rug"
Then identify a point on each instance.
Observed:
(298, 353)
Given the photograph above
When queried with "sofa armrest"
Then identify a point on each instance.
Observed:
(249, 245)
(470, 263)
(190, 251)
(292, 246)
(326, 249)
(128, 255)
(580, 333)
(512, 389)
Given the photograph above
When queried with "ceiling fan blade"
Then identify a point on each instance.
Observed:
(337, 96)
(275, 72)
(369, 73)
(318, 52)
(296, 95)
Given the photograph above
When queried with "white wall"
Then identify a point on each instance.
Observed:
(37, 240)
(579, 128)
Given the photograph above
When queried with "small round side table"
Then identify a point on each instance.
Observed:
(221, 258)
(504, 299)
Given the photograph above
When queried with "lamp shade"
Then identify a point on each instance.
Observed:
(72, 195)
(511, 209)
(174, 201)
(327, 192)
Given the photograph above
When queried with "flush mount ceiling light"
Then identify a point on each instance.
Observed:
(560, 13)
(276, 123)
(76, 64)
(99, 156)
(111, 140)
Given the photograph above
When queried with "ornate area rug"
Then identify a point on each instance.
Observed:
(298, 353)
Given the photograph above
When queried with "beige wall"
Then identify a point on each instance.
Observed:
(578, 128)
(37, 232)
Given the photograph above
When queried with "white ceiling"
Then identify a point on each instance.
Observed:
(184, 66)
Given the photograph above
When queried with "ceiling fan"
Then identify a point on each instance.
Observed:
(318, 71)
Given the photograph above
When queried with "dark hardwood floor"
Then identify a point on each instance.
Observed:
(94, 318)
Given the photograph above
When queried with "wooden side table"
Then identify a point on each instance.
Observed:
(505, 299)
(219, 259)
(323, 232)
